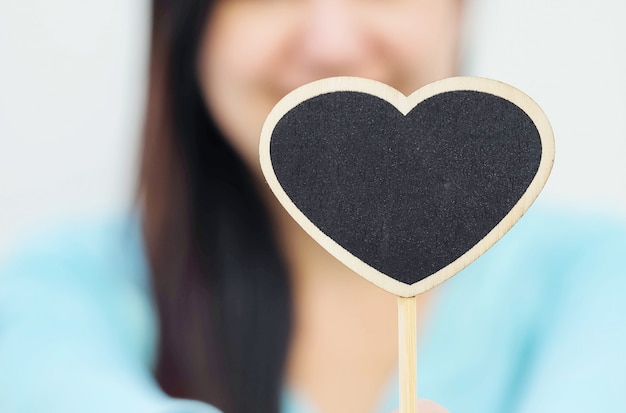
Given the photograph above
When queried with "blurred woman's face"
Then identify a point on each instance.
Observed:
(253, 52)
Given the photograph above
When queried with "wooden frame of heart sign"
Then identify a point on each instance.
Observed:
(457, 103)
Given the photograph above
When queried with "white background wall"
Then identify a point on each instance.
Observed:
(72, 84)
(570, 57)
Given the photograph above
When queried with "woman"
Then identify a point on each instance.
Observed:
(252, 315)
(232, 64)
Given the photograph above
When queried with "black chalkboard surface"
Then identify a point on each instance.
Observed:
(406, 191)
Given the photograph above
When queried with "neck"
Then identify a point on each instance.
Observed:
(312, 267)
(344, 342)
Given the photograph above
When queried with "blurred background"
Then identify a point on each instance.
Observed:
(73, 79)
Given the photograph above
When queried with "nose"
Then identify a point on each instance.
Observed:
(332, 39)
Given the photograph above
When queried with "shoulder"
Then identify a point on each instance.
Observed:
(76, 316)
(551, 268)
(550, 228)
(550, 246)
(91, 247)
(565, 252)
(549, 291)
(87, 276)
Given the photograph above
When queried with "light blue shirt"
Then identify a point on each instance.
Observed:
(537, 324)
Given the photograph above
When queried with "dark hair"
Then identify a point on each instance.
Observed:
(220, 286)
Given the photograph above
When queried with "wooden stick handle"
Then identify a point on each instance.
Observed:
(407, 353)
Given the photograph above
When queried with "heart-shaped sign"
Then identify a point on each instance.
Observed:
(406, 191)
